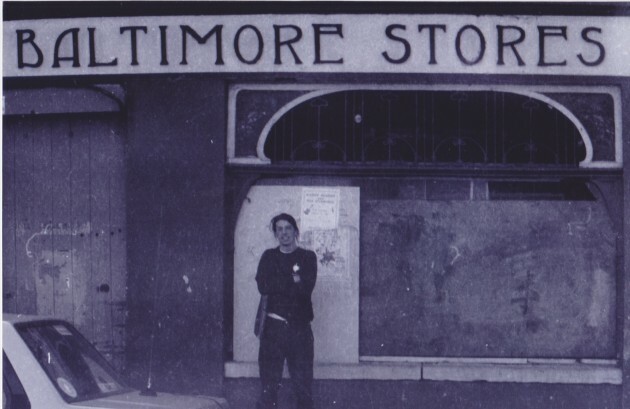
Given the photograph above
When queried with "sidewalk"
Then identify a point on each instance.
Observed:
(242, 394)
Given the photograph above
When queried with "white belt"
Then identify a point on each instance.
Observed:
(276, 317)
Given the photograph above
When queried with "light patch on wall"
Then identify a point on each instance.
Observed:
(602, 288)
(187, 282)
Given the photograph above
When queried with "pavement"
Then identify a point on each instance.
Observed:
(361, 394)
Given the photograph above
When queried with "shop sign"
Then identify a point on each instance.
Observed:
(384, 43)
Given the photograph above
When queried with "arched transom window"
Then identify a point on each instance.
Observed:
(426, 127)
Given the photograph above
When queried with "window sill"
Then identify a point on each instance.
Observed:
(465, 370)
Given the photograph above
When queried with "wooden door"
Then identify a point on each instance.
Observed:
(64, 251)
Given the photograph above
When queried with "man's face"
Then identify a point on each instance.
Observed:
(285, 233)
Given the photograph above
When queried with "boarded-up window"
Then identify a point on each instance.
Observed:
(449, 268)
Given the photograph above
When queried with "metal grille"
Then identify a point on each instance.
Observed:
(425, 127)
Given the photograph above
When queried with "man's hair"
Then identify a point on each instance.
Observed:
(286, 217)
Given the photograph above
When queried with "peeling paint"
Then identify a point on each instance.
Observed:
(61, 229)
(456, 255)
(580, 225)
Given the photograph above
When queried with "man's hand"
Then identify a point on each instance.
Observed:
(296, 278)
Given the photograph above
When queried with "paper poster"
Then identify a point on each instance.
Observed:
(319, 209)
(331, 249)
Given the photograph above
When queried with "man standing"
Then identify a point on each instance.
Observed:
(286, 277)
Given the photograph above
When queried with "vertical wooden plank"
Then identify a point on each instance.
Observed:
(26, 228)
(61, 220)
(9, 271)
(83, 296)
(118, 245)
(42, 206)
(101, 154)
(624, 270)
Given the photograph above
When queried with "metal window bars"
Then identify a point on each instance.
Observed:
(426, 127)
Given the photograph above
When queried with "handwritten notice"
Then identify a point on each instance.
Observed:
(319, 209)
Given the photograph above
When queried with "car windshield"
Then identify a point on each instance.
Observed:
(77, 370)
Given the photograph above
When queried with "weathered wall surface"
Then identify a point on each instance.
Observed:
(488, 278)
(175, 156)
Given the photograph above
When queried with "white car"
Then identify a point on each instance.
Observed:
(48, 364)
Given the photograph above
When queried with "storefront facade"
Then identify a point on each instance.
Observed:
(473, 158)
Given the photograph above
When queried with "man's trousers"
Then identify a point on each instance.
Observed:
(281, 340)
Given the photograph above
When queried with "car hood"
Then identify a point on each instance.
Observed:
(134, 400)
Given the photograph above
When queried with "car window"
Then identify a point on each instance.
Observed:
(73, 365)
(13, 394)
